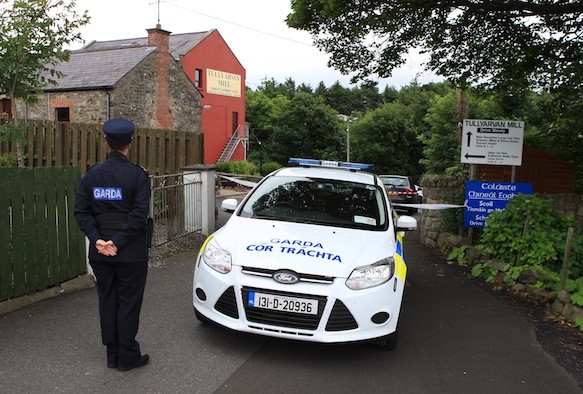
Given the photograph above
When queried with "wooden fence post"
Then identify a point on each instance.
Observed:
(566, 257)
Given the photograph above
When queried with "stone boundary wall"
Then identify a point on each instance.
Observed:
(571, 204)
(437, 190)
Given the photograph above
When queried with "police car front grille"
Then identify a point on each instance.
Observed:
(303, 277)
(281, 318)
(227, 304)
(340, 318)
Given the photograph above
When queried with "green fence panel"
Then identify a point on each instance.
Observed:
(52, 255)
(75, 235)
(41, 243)
(62, 252)
(30, 231)
(41, 178)
(18, 246)
(5, 237)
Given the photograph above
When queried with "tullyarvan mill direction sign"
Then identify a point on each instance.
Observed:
(497, 142)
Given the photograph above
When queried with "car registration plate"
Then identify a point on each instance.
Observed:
(282, 303)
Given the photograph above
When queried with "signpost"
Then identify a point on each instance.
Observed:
(482, 198)
(497, 142)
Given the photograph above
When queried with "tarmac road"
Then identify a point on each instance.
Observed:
(453, 337)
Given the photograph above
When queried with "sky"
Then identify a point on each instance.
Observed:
(255, 30)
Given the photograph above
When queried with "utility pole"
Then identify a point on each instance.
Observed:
(346, 118)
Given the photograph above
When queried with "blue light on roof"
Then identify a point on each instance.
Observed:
(329, 163)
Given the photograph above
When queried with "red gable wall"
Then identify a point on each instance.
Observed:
(218, 119)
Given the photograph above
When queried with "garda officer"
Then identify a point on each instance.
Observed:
(112, 208)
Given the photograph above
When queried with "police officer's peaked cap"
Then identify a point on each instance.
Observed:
(119, 131)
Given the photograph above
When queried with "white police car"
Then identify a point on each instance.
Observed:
(313, 253)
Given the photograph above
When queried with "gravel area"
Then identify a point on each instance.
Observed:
(188, 242)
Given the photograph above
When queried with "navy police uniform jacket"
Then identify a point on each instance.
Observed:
(112, 204)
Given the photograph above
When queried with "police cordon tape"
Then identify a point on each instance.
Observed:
(429, 206)
(250, 184)
(241, 182)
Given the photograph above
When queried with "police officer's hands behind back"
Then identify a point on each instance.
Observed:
(106, 248)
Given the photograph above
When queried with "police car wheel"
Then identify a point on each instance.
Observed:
(202, 318)
(388, 342)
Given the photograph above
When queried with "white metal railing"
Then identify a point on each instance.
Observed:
(241, 135)
(175, 206)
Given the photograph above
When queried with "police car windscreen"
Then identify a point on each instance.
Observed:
(318, 201)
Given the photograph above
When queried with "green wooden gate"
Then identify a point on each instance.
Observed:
(41, 244)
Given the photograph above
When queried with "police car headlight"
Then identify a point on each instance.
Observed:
(371, 275)
(217, 258)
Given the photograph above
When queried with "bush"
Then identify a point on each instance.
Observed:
(7, 160)
(453, 219)
(541, 247)
(269, 167)
(237, 167)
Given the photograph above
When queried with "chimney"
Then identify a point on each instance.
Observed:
(161, 40)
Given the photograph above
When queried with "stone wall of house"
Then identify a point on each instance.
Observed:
(442, 190)
(136, 97)
(89, 106)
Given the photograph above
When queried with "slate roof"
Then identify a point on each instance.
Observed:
(180, 44)
(98, 70)
(101, 64)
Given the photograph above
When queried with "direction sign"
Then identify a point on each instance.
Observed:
(497, 142)
(482, 198)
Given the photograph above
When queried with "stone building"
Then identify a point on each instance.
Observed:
(208, 61)
(142, 83)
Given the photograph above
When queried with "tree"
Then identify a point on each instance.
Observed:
(34, 36)
(557, 129)
(383, 137)
(260, 114)
(339, 98)
(305, 88)
(390, 94)
(369, 95)
(499, 44)
(272, 88)
(321, 89)
(306, 127)
(440, 139)
(268, 87)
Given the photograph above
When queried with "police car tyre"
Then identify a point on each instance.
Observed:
(202, 318)
(388, 342)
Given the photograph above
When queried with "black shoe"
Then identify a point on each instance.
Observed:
(111, 361)
(143, 360)
(112, 356)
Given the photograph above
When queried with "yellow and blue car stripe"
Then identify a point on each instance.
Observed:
(400, 266)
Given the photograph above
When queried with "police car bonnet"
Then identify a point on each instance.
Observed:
(119, 131)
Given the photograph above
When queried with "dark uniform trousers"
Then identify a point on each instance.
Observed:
(120, 286)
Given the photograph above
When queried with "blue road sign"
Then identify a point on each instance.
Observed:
(482, 198)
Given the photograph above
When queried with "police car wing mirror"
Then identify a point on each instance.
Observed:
(406, 223)
(229, 205)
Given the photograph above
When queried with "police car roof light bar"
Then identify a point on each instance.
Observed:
(329, 163)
